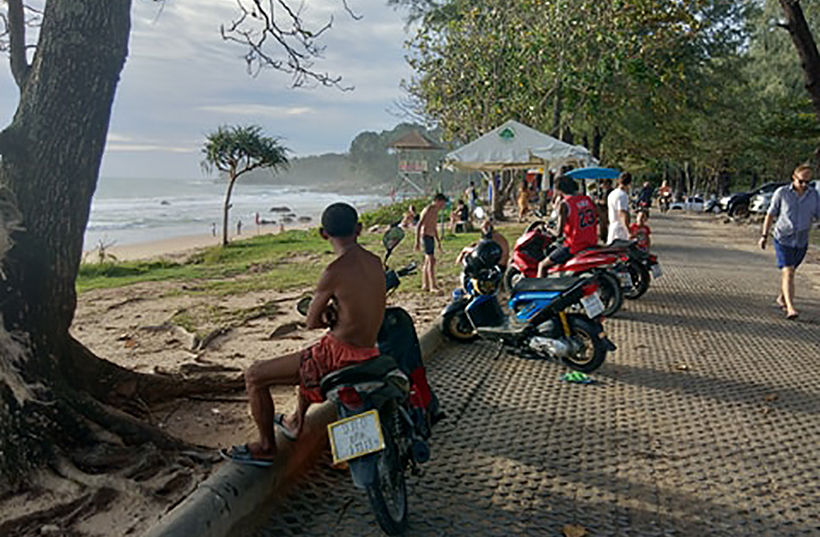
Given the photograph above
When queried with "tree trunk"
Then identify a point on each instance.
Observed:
(50, 385)
(556, 111)
(567, 135)
(806, 48)
(51, 155)
(597, 140)
(226, 207)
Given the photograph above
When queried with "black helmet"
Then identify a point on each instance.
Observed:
(486, 254)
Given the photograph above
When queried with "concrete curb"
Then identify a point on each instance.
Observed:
(232, 500)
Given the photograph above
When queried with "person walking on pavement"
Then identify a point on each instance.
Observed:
(793, 209)
(618, 209)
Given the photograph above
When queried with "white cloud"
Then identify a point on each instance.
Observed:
(249, 109)
(114, 137)
(141, 148)
(181, 80)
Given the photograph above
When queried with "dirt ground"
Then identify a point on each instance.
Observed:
(170, 327)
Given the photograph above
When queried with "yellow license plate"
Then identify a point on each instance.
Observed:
(356, 436)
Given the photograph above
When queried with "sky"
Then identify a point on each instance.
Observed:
(181, 81)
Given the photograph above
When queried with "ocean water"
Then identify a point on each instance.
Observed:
(131, 211)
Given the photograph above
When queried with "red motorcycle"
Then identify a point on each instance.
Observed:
(642, 266)
(536, 243)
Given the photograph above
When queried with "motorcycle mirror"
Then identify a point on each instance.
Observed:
(392, 238)
(304, 305)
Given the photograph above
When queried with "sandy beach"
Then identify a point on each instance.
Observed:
(181, 246)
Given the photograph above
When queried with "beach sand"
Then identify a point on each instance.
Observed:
(142, 327)
(174, 247)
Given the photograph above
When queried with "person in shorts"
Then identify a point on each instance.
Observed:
(350, 301)
(792, 210)
(577, 223)
(617, 203)
(427, 233)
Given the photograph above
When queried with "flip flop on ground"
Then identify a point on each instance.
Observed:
(792, 316)
(279, 422)
(242, 455)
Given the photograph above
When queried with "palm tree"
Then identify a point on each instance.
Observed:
(237, 150)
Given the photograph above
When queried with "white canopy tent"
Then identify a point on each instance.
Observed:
(513, 145)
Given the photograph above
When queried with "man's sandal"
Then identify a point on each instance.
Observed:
(242, 455)
(279, 422)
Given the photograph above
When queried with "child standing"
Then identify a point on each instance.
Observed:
(640, 232)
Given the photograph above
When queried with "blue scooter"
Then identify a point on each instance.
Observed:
(538, 322)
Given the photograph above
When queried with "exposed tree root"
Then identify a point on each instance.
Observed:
(120, 387)
(131, 430)
(60, 517)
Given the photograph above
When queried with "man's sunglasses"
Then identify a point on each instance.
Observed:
(802, 182)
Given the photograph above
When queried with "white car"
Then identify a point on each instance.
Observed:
(693, 204)
(760, 202)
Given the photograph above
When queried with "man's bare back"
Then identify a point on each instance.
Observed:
(355, 286)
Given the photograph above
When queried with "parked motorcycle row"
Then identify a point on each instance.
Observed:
(559, 316)
(385, 407)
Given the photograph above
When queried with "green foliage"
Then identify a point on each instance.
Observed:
(700, 91)
(285, 261)
(239, 149)
(249, 260)
(369, 161)
(390, 214)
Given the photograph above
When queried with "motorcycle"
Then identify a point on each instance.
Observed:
(385, 408)
(664, 200)
(536, 243)
(538, 323)
(642, 265)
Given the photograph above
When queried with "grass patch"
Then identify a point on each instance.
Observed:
(290, 260)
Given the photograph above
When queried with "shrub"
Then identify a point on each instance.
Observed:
(390, 214)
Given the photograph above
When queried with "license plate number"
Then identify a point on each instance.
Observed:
(592, 305)
(656, 271)
(626, 279)
(356, 436)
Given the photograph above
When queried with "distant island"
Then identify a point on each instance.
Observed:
(369, 163)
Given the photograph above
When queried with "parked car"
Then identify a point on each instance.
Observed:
(739, 204)
(693, 204)
(760, 202)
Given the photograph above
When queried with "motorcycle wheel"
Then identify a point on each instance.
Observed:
(592, 351)
(640, 280)
(388, 495)
(511, 277)
(611, 293)
(456, 326)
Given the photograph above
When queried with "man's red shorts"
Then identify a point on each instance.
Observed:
(324, 357)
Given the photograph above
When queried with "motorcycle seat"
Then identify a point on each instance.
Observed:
(622, 243)
(374, 369)
(545, 284)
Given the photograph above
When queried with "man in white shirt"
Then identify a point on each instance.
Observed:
(618, 209)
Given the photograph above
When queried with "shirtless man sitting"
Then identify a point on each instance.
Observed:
(350, 301)
(428, 233)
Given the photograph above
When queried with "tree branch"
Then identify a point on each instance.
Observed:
(17, 42)
(257, 22)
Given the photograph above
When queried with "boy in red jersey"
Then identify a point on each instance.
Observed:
(577, 222)
(640, 232)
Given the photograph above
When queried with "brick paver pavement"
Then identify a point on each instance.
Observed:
(704, 422)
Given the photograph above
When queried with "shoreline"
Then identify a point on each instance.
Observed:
(183, 244)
